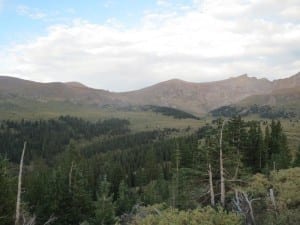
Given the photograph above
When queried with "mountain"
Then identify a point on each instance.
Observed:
(75, 84)
(282, 101)
(290, 82)
(199, 98)
(56, 91)
(279, 98)
(196, 98)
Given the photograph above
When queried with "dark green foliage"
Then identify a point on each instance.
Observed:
(59, 192)
(157, 215)
(126, 199)
(104, 206)
(279, 153)
(167, 111)
(255, 152)
(124, 141)
(226, 111)
(47, 138)
(97, 172)
(7, 194)
(264, 111)
(297, 158)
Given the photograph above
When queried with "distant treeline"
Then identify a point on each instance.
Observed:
(46, 138)
(264, 111)
(167, 111)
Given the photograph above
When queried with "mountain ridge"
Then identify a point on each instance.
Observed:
(196, 98)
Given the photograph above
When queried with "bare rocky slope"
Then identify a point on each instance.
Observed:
(197, 98)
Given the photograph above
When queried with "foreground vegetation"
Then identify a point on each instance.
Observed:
(81, 172)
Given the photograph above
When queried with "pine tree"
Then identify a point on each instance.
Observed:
(236, 137)
(125, 200)
(267, 150)
(280, 155)
(104, 206)
(296, 162)
(7, 194)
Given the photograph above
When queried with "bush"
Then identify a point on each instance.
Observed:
(199, 216)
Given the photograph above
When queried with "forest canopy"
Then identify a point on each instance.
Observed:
(79, 172)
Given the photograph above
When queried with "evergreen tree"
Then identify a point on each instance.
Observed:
(125, 199)
(7, 194)
(267, 150)
(255, 151)
(280, 155)
(104, 206)
(296, 162)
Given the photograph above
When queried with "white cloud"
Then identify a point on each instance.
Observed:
(291, 13)
(31, 13)
(212, 40)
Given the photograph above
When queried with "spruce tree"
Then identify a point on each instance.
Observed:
(7, 194)
(104, 206)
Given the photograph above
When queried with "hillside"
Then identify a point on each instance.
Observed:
(199, 98)
(56, 91)
(284, 103)
(289, 98)
(195, 98)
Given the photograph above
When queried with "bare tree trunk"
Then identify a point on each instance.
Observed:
(250, 208)
(238, 154)
(70, 176)
(272, 197)
(17, 222)
(222, 168)
(211, 187)
(50, 220)
(237, 168)
(243, 205)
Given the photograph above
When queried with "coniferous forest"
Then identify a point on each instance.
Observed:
(80, 172)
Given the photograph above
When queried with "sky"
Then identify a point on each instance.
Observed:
(122, 45)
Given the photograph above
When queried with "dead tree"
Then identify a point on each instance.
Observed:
(272, 197)
(211, 187)
(27, 219)
(222, 168)
(70, 176)
(17, 222)
(31, 220)
(243, 205)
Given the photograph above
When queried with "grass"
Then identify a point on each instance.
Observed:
(18, 108)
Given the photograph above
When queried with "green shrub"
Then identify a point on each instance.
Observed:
(199, 216)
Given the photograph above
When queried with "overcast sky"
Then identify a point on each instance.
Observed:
(121, 45)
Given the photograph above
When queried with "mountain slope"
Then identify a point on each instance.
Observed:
(196, 98)
(279, 103)
(287, 83)
(279, 98)
(199, 98)
(56, 91)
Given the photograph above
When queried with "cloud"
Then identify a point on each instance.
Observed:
(209, 41)
(36, 14)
